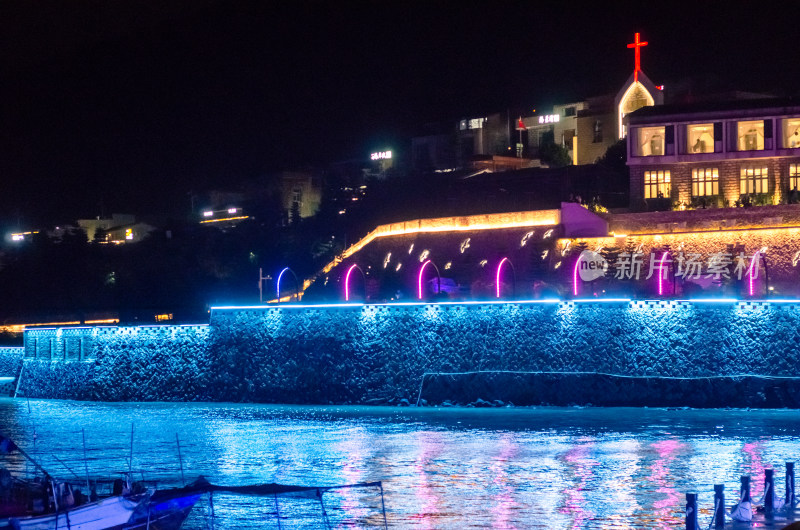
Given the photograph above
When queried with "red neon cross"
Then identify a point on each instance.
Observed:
(636, 44)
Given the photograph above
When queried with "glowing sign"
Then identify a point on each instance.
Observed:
(231, 210)
(208, 213)
(475, 123)
(550, 118)
(636, 45)
(17, 237)
(381, 155)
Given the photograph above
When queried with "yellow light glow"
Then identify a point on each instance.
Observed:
(225, 219)
(20, 328)
(447, 224)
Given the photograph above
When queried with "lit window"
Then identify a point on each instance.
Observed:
(750, 135)
(794, 177)
(705, 181)
(754, 180)
(651, 141)
(700, 138)
(791, 133)
(656, 184)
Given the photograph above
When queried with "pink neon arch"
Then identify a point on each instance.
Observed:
(575, 275)
(753, 263)
(421, 272)
(661, 274)
(347, 282)
(419, 280)
(497, 280)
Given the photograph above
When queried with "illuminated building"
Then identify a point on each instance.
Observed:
(585, 128)
(560, 125)
(601, 122)
(301, 191)
(224, 217)
(723, 154)
(119, 229)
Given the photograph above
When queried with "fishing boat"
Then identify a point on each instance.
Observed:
(47, 504)
(154, 509)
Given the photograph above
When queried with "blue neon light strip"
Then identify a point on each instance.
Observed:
(508, 302)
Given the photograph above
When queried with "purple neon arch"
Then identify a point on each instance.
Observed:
(753, 263)
(419, 280)
(279, 282)
(661, 274)
(575, 275)
(497, 280)
(347, 282)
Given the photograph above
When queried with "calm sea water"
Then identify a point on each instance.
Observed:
(441, 468)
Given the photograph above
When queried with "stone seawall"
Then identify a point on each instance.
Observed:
(10, 361)
(382, 353)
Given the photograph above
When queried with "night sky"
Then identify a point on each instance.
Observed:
(113, 106)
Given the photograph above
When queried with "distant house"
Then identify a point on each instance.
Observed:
(300, 190)
(118, 229)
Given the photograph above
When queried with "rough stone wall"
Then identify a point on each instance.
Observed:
(380, 354)
(708, 219)
(10, 361)
(148, 363)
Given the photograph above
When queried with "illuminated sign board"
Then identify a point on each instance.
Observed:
(381, 155)
(475, 123)
(550, 118)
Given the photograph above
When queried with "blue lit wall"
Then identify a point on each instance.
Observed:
(10, 361)
(377, 354)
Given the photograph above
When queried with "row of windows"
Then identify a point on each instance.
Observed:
(696, 138)
(705, 181)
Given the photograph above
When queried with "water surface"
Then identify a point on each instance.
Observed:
(441, 468)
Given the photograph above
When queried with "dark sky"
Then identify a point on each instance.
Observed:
(130, 105)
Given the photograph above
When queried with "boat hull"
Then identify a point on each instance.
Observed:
(100, 515)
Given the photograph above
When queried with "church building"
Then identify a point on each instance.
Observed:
(600, 124)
